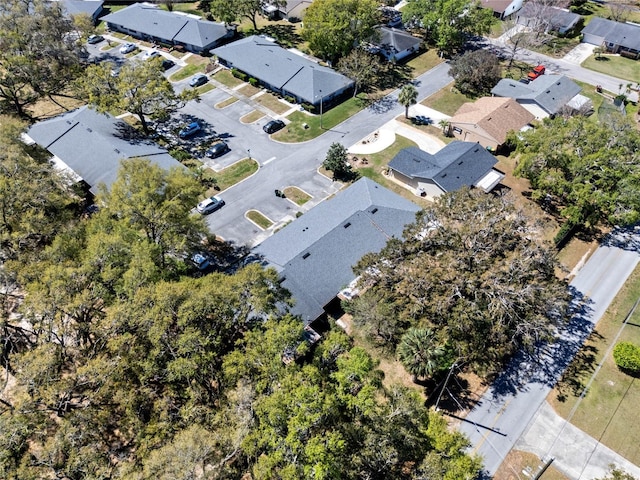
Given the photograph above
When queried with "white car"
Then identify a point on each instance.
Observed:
(209, 205)
(127, 48)
(149, 54)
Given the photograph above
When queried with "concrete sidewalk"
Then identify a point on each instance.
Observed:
(385, 136)
(576, 454)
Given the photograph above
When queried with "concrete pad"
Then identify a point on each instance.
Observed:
(579, 54)
(576, 454)
(386, 136)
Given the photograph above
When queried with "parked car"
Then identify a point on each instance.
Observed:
(209, 205)
(93, 39)
(149, 54)
(167, 64)
(536, 72)
(273, 126)
(127, 48)
(198, 80)
(191, 129)
(421, 120)
(200, 261)
(217, 150)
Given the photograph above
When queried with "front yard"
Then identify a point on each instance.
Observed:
(621, 67)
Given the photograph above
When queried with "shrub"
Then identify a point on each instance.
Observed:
(238, 74)
(308, 107)
(253, 81)
(627, 357)
(289, 99)
(564, 234)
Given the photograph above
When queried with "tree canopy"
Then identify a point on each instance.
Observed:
(334, 27)
(588, 171)
(472, 269)
(229, 11)
(38, 56)
(138, 88)
(476, 72)
(448, 23)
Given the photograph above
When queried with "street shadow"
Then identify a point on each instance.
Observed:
(626, 238)
(382, 105)
(546, 363)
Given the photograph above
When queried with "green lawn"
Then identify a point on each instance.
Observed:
(259, 219)
(272, 102)
(295, 132)
(225, 77)
(447, 100)
(620, 67)
(252, 116)
(609, 408)
(232, 174)
(296, 195)
(187, 71)
(226, 103)
(424, 62)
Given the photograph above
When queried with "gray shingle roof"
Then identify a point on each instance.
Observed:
(75, 7)
(266, 60)
(456, 165)
(396, 40)
(315, 254)
(623, 34)
(93, 144)
(551, 92)
(169, 26)
(557, 18)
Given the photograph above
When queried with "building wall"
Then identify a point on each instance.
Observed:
(468, 133)
(592, 39)
(420, 187)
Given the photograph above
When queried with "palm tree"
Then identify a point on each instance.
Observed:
(444, 124)
(408, 96)
(420, 352)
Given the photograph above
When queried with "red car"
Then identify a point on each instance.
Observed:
(536, 72)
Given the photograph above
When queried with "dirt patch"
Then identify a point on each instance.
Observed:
(518, 465)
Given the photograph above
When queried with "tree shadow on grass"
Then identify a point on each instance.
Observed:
(284, 34)
(572, 382)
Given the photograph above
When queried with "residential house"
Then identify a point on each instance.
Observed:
(92, 8)
(502, 8)
(394, 44)
(150, 23)
(488, 120)
(456, 165)
(615, 37)
(291, 10)
(545, 96)
(315, 254)
(92, 145)
(286, 72)
(547, 18)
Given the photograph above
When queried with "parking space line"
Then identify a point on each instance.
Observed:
(268, 161)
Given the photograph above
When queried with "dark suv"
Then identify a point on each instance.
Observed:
(273, 126)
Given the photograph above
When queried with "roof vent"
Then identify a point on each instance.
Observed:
(374, 210)
(306, 255)
(116, 150)
(347, 225)
(89, 130)
(460, 162)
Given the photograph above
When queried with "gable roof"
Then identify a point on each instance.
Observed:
(556, 18)
(396, 41)
(315, 253)
(171, 26)
(283, 69)
(550, 92)
(76, 7)
(495, 115)
(498, 6)
(93, 145)
(624, 34)
(456, 165)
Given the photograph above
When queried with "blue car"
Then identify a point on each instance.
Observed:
(189, 130)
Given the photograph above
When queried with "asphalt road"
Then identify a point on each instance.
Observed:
(506, 409)
(285, 165)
